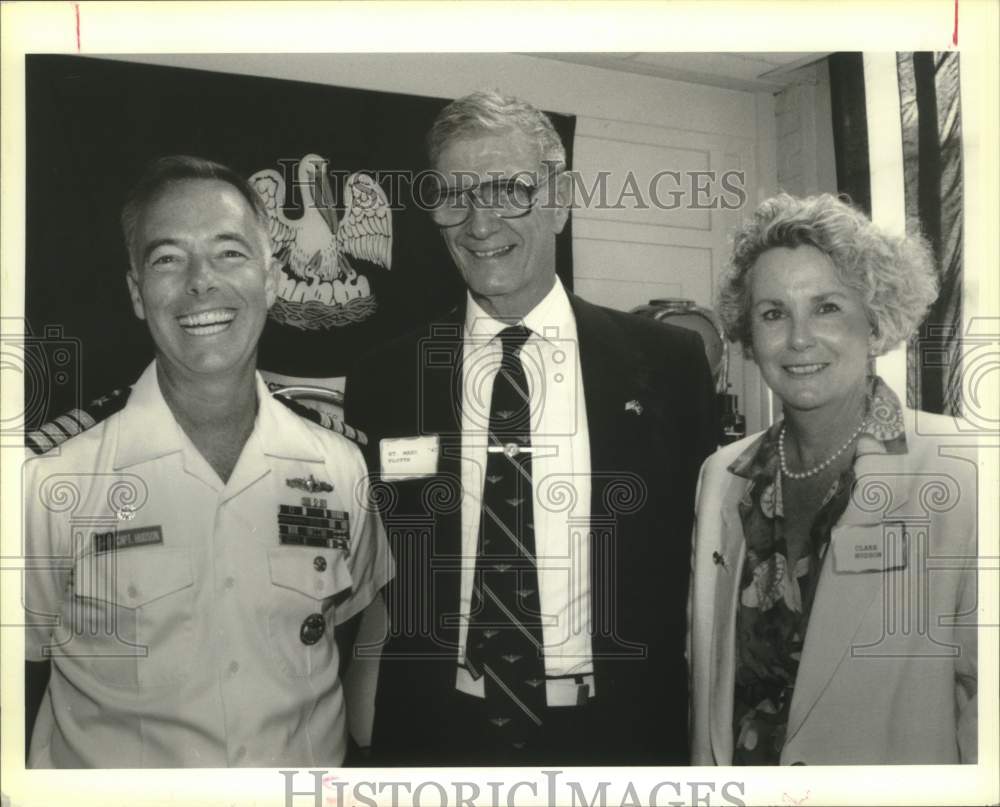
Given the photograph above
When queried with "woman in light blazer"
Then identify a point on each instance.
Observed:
(833, 597)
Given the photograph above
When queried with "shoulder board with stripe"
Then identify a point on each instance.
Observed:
(76, 421)
(323, 419)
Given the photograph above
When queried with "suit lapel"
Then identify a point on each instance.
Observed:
(611, 377)
(842, 600)
(723, 664)
(438, 411)
(440, 395)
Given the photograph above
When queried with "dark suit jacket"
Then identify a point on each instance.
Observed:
(644, 468)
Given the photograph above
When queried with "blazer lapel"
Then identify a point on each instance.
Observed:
(722, 668)
(842, 600)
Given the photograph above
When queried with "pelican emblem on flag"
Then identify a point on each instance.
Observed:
(325, 259)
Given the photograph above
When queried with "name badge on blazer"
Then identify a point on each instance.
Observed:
(408, 457)
(879, 548)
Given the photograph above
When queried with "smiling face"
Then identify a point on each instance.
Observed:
(509, 265)
(810, 332)
(202, 278)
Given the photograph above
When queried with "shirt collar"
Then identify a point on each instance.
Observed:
(552, 318)
(883, 433)
(147, 429)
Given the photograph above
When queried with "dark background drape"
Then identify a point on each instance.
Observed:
(930, 106)
(932, 167)
(850, 128)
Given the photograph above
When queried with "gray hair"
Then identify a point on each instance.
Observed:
(895, 275)
(164, 171)
(489, 112)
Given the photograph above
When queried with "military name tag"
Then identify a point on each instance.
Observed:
(312, 524)
(113, 540)
(879, 549)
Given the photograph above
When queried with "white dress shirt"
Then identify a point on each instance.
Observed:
(560, 467)
(205, 638)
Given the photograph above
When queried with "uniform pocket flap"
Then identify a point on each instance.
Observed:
(317, 573)
(132, 580)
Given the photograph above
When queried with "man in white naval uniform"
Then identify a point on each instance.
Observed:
(198, 561)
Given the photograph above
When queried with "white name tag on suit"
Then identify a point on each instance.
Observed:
(879, 548)
(409, 457)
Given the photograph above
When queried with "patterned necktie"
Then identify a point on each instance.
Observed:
(505, 634)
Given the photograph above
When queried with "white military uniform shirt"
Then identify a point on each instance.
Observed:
(190, 622)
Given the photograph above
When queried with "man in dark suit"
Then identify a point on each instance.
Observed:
(536, 459)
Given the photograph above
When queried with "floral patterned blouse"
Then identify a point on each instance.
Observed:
(778, 580)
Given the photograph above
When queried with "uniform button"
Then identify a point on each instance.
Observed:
(319, 563)
(133, 592)
(234, 667)
(241, 752)
(230, 582)
(312, 629)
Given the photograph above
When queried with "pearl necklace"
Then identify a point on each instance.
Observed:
(816, 468)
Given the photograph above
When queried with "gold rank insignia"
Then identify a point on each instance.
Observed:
(310, 485)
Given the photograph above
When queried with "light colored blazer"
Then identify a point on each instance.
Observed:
(888, 669)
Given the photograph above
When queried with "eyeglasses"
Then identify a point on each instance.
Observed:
(508, 198)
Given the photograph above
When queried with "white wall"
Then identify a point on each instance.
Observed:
(622, 257)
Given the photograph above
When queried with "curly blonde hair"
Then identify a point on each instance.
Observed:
(895, 275)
